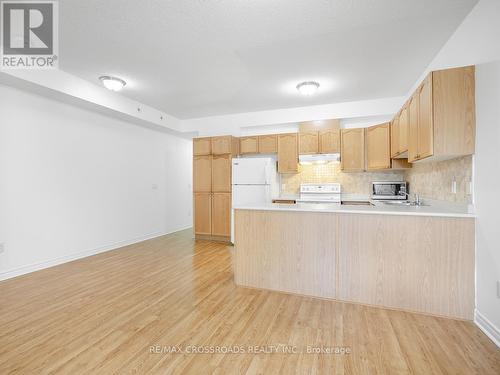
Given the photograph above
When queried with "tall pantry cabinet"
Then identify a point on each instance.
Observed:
(212, 186)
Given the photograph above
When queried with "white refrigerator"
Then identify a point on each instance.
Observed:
(254, 181)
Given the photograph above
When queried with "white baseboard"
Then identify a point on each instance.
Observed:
(18, 271)
(487, 327)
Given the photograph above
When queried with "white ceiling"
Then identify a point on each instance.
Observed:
(196, 58)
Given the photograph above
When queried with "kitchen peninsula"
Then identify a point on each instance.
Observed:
(414, 258)
(410, 258)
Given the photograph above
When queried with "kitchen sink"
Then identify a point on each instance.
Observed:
(357, 203)
(397, 203)
(403, 203)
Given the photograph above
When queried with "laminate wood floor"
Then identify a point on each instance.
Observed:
(145, 308)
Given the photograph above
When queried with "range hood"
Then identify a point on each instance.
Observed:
(318, 159)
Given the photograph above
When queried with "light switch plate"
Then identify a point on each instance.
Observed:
(453, 187)
(498, 289)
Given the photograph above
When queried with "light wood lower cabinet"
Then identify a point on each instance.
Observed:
(415, 263)
(202, 173)
(353, 150)
(286, 251)
(378, 147)
(221, 214)
(202, 207)
(288, 153)
(308, 142)
(212, 214)
(221, 173)
(268, 144)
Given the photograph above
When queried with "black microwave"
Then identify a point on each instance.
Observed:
(390, 190)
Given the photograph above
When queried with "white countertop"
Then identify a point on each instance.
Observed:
(434, 208)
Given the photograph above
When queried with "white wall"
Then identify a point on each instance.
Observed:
(76, 182)
(474, 42)
(487, 182)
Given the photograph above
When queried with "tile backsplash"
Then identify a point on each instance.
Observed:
(434, 179)
(431, 180)
(352, 183)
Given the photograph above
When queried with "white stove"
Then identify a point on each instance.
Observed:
(320, 193)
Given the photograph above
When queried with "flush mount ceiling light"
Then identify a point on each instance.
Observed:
(112, 83)
(308, 88)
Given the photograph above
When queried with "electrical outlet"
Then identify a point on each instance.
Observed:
(2, 247)
(469, 188)
(454, 187)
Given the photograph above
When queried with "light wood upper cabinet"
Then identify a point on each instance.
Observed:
(202, 207)
(308, 142)
(353, 150)
(202, 146)
(442, 119)
(413, 128)
(221, 173)
(288, 153)
(425, 119)
(395, 136)
(221, 214)
(202, 173)
(399, 134)
(454, 111)
(378, 147)
(268, 144)
(329, 141)
(403, 132)
(223, 145)
(249, 145)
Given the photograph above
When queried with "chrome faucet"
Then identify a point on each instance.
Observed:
(416, 198)
(417, 201)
